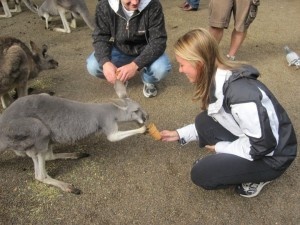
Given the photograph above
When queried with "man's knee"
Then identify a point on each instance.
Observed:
(161, 67)
(93, 66)
(91, 69)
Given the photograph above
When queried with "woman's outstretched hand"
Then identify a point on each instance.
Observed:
(167, 135)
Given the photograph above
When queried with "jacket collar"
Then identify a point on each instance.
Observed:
(221, 82)
(114, 4)
(246, 71)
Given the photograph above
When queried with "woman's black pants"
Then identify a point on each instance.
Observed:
(221, 170)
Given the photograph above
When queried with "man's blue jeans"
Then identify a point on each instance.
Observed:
(152, 74)
(194, 3)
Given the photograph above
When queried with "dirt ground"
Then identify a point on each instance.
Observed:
(139, 180)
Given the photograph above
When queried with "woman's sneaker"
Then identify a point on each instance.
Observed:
(149, 90)
(250, 190)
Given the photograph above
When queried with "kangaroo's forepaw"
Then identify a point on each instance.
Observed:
(82, 155)
(73, 190)
(143, 129)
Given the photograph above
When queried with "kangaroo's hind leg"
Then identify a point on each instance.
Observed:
(6, 100)
(41, 173)
(73, 23)
(7, 13)
(22, 89)
(72, 155)
(33, 137)
(62, 14)
(17, 7)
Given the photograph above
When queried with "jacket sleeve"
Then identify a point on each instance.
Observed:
(255, 115)
(239, 147)
(187, 134)
(156, 35)
(102, 33)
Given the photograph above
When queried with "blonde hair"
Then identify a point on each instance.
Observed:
(199, 47)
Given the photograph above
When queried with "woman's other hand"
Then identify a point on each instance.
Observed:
(211, 148)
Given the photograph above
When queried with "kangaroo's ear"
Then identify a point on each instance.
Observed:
(35, 49)
(120, 89)
(44, 50)
(120, 103)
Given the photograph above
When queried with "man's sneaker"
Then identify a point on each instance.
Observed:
(149, 90)
(250, 190)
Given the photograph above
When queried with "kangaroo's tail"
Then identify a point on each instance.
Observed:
(84, 13)
(31, 6)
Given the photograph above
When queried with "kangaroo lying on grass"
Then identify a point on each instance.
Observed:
(32, 123)
(18, 65)
(77, 8)
(7, 12)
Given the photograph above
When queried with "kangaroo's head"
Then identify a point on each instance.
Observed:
(131, 110)
(41, 58)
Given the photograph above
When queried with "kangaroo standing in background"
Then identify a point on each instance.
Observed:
(18, 64)
(32, 123)
(60, 7)
(7, 12)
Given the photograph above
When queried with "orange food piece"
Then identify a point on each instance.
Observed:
(153, 132)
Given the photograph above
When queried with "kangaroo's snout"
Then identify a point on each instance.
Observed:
(142, 116)
(145, 117)
(53, 63)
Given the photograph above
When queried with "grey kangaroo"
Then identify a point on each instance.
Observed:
(7, 11)
(32, 123)
(60, 7)
(18, 65)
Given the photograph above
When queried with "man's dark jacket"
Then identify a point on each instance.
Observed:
(143, 36)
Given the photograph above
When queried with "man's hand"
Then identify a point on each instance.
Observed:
(109, 71)
(127, 71)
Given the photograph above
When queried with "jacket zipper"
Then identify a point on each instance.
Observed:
(127, 22)
(127, 28)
